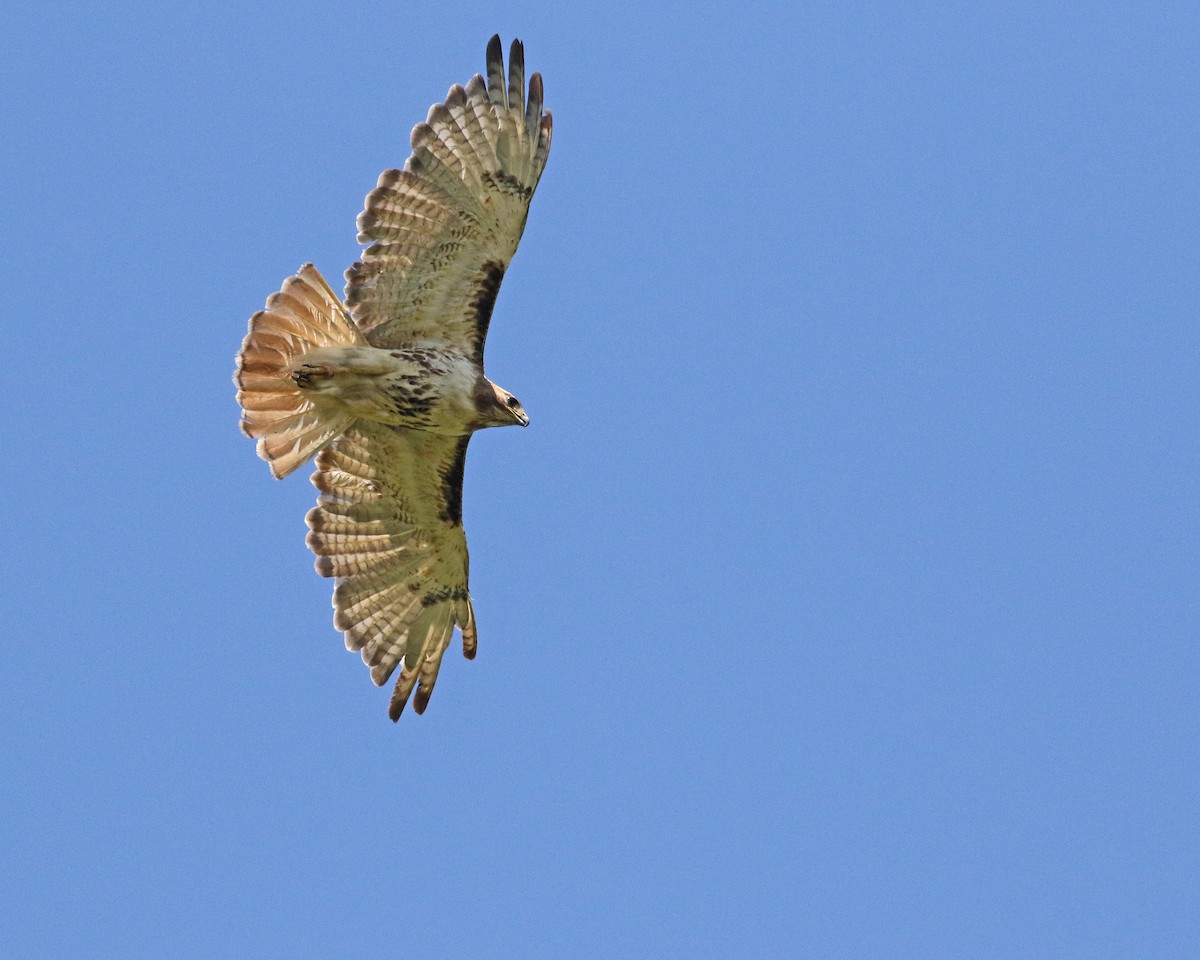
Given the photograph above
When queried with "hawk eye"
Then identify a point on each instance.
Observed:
(513, 402)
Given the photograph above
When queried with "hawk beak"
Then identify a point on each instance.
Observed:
(522, 419)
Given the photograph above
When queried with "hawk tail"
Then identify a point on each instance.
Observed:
(290, 426)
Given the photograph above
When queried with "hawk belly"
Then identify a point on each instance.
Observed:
(424, 388)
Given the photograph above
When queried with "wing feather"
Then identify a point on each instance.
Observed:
(387, 526)
(495, 71)
(516, 77)
(440, 233)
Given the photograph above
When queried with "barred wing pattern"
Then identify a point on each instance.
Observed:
(388, 527)
(443, 230)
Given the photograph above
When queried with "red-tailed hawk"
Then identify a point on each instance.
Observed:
(387, 388)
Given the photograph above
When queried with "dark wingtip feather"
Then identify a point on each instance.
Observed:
(470, 639)
(533, 107)
(516, 77)
(323, 566)
(495, 72)
(495, 56)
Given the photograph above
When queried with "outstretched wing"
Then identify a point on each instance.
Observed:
(443, 230)
(388, 526)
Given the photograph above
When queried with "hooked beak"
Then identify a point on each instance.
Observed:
(522, 419)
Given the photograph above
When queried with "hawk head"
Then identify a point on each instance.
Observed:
(497, 407)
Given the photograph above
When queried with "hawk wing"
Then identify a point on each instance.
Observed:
(388, 526)
(443, 230)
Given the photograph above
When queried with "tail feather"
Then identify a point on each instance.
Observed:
(290, 426)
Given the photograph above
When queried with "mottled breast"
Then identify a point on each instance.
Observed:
(433, 389)
(425, 387)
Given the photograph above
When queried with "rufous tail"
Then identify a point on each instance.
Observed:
(290, 426)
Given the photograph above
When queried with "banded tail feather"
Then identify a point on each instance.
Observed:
(290, 425)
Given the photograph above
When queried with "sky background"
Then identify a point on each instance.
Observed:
(841, 600)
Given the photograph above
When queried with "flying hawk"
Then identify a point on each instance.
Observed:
(387, 388)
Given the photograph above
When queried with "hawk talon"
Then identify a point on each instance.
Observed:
(306, 373)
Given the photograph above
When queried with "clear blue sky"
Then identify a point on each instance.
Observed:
(841, 600)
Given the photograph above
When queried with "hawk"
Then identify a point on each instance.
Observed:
(387, 388)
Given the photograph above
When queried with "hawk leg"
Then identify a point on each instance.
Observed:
(308, 375)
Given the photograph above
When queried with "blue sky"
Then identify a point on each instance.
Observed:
(839, 602)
